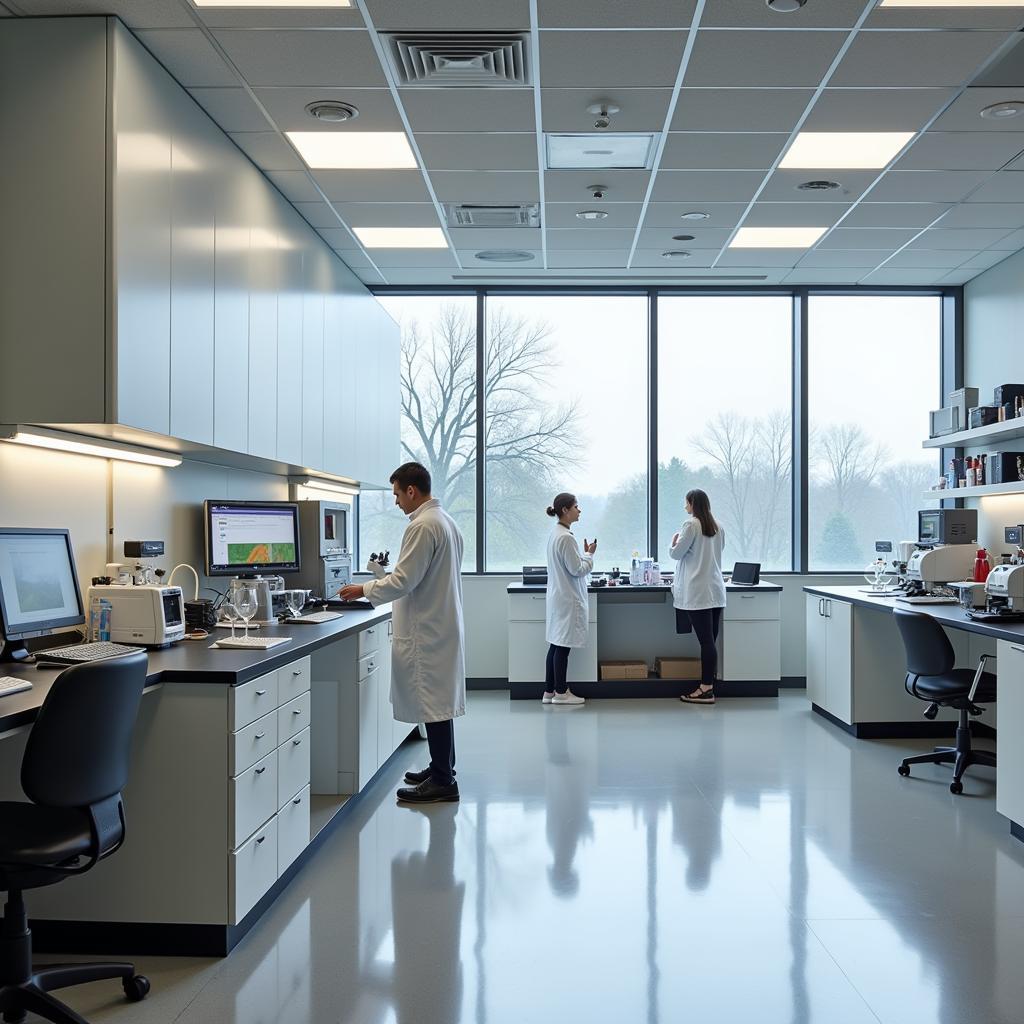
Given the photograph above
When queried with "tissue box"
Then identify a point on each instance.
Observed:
(620, 670)
(678, 668)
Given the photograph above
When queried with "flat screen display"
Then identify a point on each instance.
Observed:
(38, 583)
(251, 537)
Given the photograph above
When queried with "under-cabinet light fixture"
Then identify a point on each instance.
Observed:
(78, 444)
(318, 484)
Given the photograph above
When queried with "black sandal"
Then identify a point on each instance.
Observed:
(699, 696)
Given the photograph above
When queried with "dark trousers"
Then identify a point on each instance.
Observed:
(705, 625)
(441, 743)
(557, 667)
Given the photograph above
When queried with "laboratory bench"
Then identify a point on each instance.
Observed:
(242, 763)
(638, 622)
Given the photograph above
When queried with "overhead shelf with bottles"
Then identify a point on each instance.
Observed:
(979, 436)
(986, 490)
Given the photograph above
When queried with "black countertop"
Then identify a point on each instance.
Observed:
(192, 661)
(951, 615)
(624, 588)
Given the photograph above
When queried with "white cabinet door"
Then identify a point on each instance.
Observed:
(839, 659)
(368, 749)
(334, 454)
(386, 741)
(817, 650)
(263, 285)
(367, 374)
(389, 386)
(289, 352)
(751, 650)
(313, 359)
(1009, 750)
(528, 650)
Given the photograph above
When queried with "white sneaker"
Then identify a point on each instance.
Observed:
(548, 696)
(567, 699)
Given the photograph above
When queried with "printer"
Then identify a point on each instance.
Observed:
(149, 615)
(944, 563)
(1004, 591)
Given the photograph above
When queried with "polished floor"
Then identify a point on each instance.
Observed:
(637, 862)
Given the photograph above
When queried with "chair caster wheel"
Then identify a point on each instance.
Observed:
(136, 988)
(904, 770)
(956, 787)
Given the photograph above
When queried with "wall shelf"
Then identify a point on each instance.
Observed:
(948, 494)
(993, 433)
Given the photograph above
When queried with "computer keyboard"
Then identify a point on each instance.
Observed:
(315, 617)
(76, 654)
(928, 599)
(9, 685)
(362, 605)
(250, 643)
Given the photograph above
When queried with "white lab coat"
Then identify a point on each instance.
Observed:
(428, 667)
(698, 581)
(566, 612)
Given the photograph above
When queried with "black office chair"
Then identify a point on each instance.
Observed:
(74, 768)
(932, 677)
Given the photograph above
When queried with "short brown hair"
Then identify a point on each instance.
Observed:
(412, 474)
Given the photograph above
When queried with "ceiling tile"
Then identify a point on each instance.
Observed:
(964, 114)
(186, 54)
(317, 215)
(795, 215)
(641, 110)
(615, 14)
(1004, 187)
(584, 258)
(669, 214)
(267, 150)
(563, 215)
(1009, 243)
(760, 257)
(876, 110)
(906, 277)
(782, 186)
(232, 109)
(287, 106)
(295, 186)
(486, 186)
(581, 239)
(469, 110)
(610, 60)
(927, 259)
(698, 187)
(269, 18)
(866, 238)
(703, 238)
(894, 215)
(925, 186)
(829, 259)
(962, 151)
(572, 186)
(136, 14)
(960, 238)
(387, 215)
(385, 258)
(478, 151)
(456, 14)
(303, 57)
(966, 17)
(762, 58)
(340, 239)
(811, 275)
(743, 14)
(984, 260)
(923, 59)
(496, 238)
(373, 186)
(959, 276)
(985, 215)
(723, 151)
(739, 110)
(700, 260)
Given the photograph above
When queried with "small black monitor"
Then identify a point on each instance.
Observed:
(38, 586)
(246, 538)
(747, 573)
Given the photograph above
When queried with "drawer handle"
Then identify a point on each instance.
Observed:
(297, 800)
(1014, 647)
(260, 771)
(260, 840)
(296, 743)
(296, 711)
(371, 632)
(747, 597)
(261, 693)
(296, 671)
(260, 735)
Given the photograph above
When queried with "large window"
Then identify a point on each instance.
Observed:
(566, 394)
(438, 416)
(724, 418)
(874, 372)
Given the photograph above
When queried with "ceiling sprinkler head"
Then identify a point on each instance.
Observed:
(676, 254)
(602, 114)
(820, 185)
(1003, 111)
(592, 214)
(332, 111)
(597, 191)
(695, 215)
(682, 238)
(785, 6)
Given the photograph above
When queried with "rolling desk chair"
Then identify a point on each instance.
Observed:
(73, 770)
(932, 677)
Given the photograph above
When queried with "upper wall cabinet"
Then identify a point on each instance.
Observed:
(152, 280)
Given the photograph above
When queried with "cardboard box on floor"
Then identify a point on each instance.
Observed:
(678, 668)
(632, 670)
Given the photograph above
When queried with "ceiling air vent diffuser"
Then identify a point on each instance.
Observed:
(475, 59)
(477, 215)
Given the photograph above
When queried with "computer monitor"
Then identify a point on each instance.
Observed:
(247, 538)
(38, 586)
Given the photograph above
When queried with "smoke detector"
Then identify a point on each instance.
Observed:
(332, 111)
(1003, 111)
(504, 255)
(695, 215)
(818, 186)
(592, 214)
(682, 238)
(676, 254)
(785, 6)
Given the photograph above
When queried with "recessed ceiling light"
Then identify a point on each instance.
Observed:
(695, 215)
(332, 110)
(272, 3)
(354, 150)
(1003, 111)
(952, 3)
(818, 185)
(785, 6)
(631, 150)
(504, 256)
(854, 150)
(776, 238)
(676, 254)
(682, 238)
(401, 238)
(591, 214)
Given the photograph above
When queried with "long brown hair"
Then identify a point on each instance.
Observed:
(701, 505)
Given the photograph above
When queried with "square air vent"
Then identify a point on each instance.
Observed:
(597, 150)
(475, 215)
(474, 59)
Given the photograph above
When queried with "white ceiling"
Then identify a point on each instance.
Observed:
(728, 82)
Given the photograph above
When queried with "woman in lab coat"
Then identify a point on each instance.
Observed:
(698, 589)
(567, 598)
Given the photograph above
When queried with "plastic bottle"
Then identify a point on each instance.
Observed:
(971, 473)
(981, 566)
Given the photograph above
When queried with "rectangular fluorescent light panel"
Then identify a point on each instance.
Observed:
(273, 3)
(776, 238)
(597, 151)
(844, 150)
(952, 3)
(354, 151)
(401, 238)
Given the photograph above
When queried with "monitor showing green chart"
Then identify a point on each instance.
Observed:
(248, 538)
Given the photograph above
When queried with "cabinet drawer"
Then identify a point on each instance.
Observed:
(369, 639)
(369, 665)
(253, 798)
(251, 700)
(293, 717)
(253, 870)
(292, 829)
(292, 680)
(751, 606)
(253, 742)
(292, 765)
(527, 607)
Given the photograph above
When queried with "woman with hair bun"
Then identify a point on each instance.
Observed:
(566, 611)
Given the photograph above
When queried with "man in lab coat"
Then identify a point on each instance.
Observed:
(428, 673)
